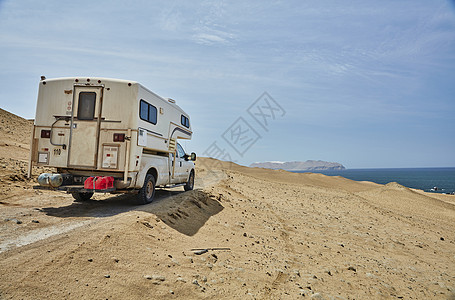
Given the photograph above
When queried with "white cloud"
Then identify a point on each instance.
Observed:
(209, 39)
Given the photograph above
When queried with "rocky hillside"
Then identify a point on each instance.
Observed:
(309, 165)
(14, 136)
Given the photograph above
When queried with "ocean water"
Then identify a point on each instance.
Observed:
(418, 178)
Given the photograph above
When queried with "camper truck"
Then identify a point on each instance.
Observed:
(109, 135)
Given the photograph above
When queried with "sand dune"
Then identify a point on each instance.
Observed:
(283, 236)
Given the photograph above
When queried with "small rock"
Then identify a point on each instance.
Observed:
(90, 259)
(440, 238)
(351, 268)
(209, 265)
(107, 276)
(149, 277)
(158, 277)
(35, 221)
(171, 292)
(195, 282)
(199, 252)
(204, 278)
(180, 279)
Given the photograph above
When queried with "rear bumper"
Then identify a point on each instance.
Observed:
(81, 183)
(80, 189)
(74, 189)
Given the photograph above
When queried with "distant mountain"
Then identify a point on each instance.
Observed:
(309, 165)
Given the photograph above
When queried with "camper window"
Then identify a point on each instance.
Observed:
(144, 111)
(86, 106)
(185, 121)
(148, 112)
(152, 114)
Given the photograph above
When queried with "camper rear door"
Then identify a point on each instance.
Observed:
(85, 125)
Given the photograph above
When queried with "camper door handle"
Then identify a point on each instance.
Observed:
(180, 163)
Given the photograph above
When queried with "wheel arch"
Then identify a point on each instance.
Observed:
(154, 172)
(189, 173)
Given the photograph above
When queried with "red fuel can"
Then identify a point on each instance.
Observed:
(99, 183)
(103, 183)
(89, 183)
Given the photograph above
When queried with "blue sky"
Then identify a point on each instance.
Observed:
(369, 84)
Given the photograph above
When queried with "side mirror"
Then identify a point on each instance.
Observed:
(193, 156)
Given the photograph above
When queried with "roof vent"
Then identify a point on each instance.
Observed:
(170, 100)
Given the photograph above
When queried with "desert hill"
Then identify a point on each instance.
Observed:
(268, 234)
(15, 135)
(309, 165)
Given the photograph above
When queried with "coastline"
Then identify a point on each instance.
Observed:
(425, 179)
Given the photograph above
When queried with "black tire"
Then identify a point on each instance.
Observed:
(81, 197)
(190, 184)
(147, 192)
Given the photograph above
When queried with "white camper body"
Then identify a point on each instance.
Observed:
(87, 127)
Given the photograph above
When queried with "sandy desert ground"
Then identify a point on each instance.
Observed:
(270, 235)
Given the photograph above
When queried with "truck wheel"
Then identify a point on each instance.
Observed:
(81, 197)
(147, 192)
(190, 184)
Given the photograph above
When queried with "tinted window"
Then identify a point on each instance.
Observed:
(185, 121)
(152, 114)
(144, 112)
(148, 112)
(86, 106)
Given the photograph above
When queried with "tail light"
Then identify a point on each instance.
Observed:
(45, 134)
(119, 137)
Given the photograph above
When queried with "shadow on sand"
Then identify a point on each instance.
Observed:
(185, 212)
